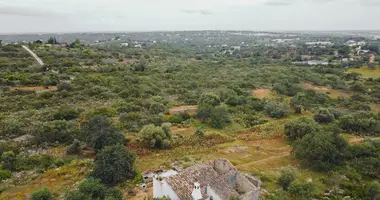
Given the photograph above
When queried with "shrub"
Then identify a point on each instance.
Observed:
(200, 132)
(324, 115)
(66, 113)
(42, 194)
(321, 151)
(56, 131)
(301, 191)
(156, 135)
(5, 174)
(276, 109)
(298, 128)
(360, 122)
(374, 190)
(287, 176)
(74, 148)
(114, 164)
(8, 161)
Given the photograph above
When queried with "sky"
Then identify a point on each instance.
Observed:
(37, 16)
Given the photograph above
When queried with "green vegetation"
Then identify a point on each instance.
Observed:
(42, 194)
(104, 114)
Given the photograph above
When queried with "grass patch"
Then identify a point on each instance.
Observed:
(366, 72)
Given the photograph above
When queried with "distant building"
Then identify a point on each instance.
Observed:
(213, 180)
(325, 43)
(138, 46)
(311, 62)
(124, 44)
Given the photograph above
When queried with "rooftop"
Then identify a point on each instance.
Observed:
(220, 175)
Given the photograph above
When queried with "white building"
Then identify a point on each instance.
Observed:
(213, 180)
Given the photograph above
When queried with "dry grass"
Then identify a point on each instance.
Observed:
(35, 89)
(366, 72)
(56, 180)
(263, 93)
(181, 109)
(332, 93)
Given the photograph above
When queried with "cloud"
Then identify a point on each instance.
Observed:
(201, 12)
(370, 2)
(278, 2)
(27, 12)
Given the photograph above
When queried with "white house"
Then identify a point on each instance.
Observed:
(213, 180)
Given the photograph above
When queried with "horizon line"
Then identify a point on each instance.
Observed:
(186, 30)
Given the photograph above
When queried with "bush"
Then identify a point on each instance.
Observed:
(321, 151)
(287, 176)
(56, 131)
(360, 122)
(276, 109)
(90, 189)
(66, 113)
(374, 190)
(156, 135)
(114, 164)
(42, 194)
(324, 115)
(301, 191)
(298, 128)
(74, 148)
(8, 161)
(5, 174)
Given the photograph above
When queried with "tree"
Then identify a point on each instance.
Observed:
(209, 99)
(204, 112)
(276, 109)
(8, 161)
(287, 176)
(219, 117)
(298, 102)
(114, 164)
(299, 128)
(52, 40)
(155, 136)
(360, 122)
(374, 190)
(99, 132)
(75, 44)
(42, 194)
(321, 151)
(324, 115)
(90, 189)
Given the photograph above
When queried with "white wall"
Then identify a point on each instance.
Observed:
(163, 189)
(212, 193)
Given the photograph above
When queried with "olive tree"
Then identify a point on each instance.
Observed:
(114, 164)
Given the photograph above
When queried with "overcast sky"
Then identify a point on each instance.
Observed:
(22, 16)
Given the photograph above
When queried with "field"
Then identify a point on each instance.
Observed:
(263, 93)
(366, 72)
(332, 93)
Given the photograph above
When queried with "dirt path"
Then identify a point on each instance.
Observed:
(34, 55)
(358, 140)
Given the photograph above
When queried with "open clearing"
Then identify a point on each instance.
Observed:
(366, 72)
(263, 93)
(332, 93)
(181, 109)
(38, 89)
